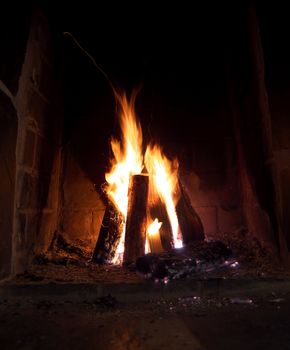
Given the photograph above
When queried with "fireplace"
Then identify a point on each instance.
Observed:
(217, 108)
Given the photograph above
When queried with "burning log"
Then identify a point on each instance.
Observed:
(189, 222)
(158, 210)
(153, 236)
(109, 236)
(155, 242)
(136, 223)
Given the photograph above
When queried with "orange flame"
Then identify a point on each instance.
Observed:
(154, 227)
(152, 231)
(164, 175)
(128, 160)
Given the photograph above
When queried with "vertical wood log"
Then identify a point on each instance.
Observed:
(109, 236)
(136, 223)
(155, 243)
(189, 222)
(158, 210)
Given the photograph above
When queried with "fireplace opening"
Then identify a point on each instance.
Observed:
(188, 177)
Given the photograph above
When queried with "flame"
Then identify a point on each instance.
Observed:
(128, 160)
(164, 175)
(154, 227)
(152, 230)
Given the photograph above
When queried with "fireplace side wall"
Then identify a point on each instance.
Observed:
(8, 137)
(277, 76)
(38, 147)
(261, 129)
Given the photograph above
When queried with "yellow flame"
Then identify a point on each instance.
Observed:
(154, 227)
(128, 160)
(152, 231)
(164, 175)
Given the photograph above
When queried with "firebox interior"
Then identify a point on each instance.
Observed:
(212, 95)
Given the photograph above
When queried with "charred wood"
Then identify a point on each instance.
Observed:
(158, 210)
(189, 221)
(109, 236)
(136, 223)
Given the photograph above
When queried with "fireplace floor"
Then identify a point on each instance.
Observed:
(65, 303)
(52, 273)
(224, 315)
(78, 274)
(231, 259)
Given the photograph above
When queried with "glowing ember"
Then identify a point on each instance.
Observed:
(128, 160)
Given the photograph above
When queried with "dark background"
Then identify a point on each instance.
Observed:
(180, 54)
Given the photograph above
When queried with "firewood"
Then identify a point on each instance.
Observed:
(109, 236)
(136, 224)
(158, 210)
(189, 221)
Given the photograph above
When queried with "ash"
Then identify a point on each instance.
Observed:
(194, 260)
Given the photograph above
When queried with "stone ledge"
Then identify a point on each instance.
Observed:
(147, 291)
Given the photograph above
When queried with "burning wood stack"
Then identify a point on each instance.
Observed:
(146, 212)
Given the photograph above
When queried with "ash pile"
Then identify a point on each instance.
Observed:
(191, 261)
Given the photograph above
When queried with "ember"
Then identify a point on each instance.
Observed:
(191, 261)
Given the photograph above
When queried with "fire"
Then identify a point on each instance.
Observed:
(153, 241)
(128, 160)
(164, 177)
(154, 227)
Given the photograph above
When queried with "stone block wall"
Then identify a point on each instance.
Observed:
(8, 137)
(38, 154)
(213, 186)
(82, 209)
(280, 107)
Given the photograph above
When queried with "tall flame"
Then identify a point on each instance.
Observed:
(128, 160)
(164, 174)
